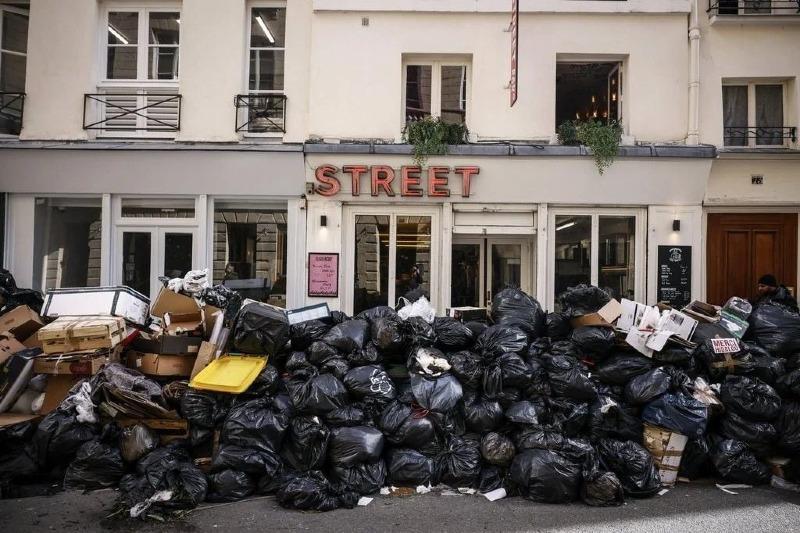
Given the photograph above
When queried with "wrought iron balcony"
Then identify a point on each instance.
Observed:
(762, 137)
(260, 113)
(754, 8)
(12, 106)
(142, 112)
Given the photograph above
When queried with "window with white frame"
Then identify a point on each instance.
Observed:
(263, 108)
(753, 114)
(436, 88)
(142, 44)
(13, 57)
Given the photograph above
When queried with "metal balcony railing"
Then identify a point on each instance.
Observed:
(132, 112)
(12, 107)
(764, 136)
(260, 113)
(754, 7)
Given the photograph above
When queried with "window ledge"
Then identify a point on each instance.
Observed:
(759, 153)
(736, 20)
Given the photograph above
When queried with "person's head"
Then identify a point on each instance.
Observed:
(767, 284)
(229, 268)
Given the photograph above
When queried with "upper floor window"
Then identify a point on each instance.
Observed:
(753, 115)
(438, 89)
(13, 56)
(142, 44)
(588, 91)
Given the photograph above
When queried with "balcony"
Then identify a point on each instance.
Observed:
(139, 114)
(763, 137)
(260, 113)
(739, 11)
(12, 106)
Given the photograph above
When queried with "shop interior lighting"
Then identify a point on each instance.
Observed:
(264, 28)
(117, 34)
(565, 226)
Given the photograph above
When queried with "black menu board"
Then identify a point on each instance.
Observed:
(675, 275)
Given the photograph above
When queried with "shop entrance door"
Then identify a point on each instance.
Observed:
(482, 266)
(743, 247)
(147, 252)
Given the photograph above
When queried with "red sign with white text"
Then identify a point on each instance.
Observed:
(409, 181)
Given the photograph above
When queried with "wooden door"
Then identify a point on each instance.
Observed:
(743, 247)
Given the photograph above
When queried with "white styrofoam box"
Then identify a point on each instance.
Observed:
(120, 301)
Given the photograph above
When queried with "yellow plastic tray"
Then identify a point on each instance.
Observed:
(230, 373)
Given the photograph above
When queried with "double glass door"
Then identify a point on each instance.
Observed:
(482, 266)
(147, 252)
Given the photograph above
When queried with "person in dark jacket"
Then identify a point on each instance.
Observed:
(769, 290)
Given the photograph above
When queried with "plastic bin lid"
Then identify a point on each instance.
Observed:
(230, 373)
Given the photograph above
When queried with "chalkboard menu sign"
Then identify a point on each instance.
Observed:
(675, 275)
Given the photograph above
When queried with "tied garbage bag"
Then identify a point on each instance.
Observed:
(524, 412)
(609, 419)
(674, 355)
(335, 366)
(419, 332)
(737, 464)
(569, 378)
(539, 383)
(405, 427)
(497, 340)
(603, 490)
(229, 486)
(571, 416)
(306, 333)
(750, 397)
(260, 329)
(255, 424)
(350, 446)
(387, 334)
(696, 459)
(266, 383)
(365, 478)
(459, 463)
(137, 441)
(620, 368)
(594, 339)
(349, 415)
(317, 353)
(306, 443)
(788, 425)
(582, 300)
(409, 467)
(374, 313)
(497, 449)
(439, 394)
(759, 436)
(167, 469)
(371, 380)
(546, 476)
(507, 370)
(367, 356)
(789, 384)
(776, 328)
(348, 336)
(311, 491)
(468, 368)
(720, 365)
(97, 465)
(511, 307)
(678, 412)
(317, 395)
(257, 463)
(539, 437)
(430, 361)
(452, 334)
(647, 387)
(633, 465)
(59, 436)
(492, 478)
(558, 326)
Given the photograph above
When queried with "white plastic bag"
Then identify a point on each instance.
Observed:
(421, 308)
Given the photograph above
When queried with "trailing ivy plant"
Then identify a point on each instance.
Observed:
(568, 133)
(602, 139)
(430, 136)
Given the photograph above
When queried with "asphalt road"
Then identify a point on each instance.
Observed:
(696, 507)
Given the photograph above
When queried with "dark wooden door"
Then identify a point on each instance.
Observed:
(743, 247)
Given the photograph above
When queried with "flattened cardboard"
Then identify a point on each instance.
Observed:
(167, 344)
(168, 301)
(10, 419)
(604, 317)
(9, 345)
(153, 364)
(87, 363)
(56, 390)
(204, 357)
(21, 321)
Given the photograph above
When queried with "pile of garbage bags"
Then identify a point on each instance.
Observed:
(522, 401)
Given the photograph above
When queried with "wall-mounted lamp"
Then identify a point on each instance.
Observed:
(323, 221)
(676, 224)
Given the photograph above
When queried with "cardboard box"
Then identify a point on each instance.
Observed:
(74, 334)
(604, 317)
(9, 345)
(10, 419)
(58, 386)
(22, 322)
(666, 447)
(122, 302)
(153, 364)
(467, 314)
(185, 308)
(167, 344)
(86, 363)
(204, 357)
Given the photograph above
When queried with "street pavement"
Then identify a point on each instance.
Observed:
(695, 507)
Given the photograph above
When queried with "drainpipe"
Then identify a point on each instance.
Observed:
(693, 137)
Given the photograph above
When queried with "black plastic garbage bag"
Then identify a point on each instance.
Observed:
(317, 395)
(405, 427)
(317, 353)
(788, 426)
(97, 465)
(571, 416)
(306, 443)
(759, 436)
(482, 414)
(300, 362)
(459, 463)
(696, 459)
(349, 446)
(267, 382)
(497, 340)
(647, 387)
(582, 300)
(720, 365)
(388, 334)
(620, 368)
(468, 368)
(558, 326)
(251, 461)
(168, 468)
(737, 464)
(477, 327)
(776, 328)
(539, 383)
(366, 356)
(17, 457)
(223, 298)
(229, 486)
(452, 334)
(539, 437)
(255, 424)
(678, 412)
(633, 465)
(370, 380)
(569, 378)
(204, 409)
(409, 467)
(523, 412)
(420, 334)
(364, 478)
(511, 307)
(750, 397)
(312, 491)
(507, 370)
(348, 336)
(497, 449)
(603, 490)
(349, 415)
(674, 355)
(492, 477)
(436, 394)
(546, 476)
(306, 333)
(596, 340)
(260, 329)
(59, 436)
(374, 313)
(137, 441)
(336, 366)
(788, 385)
(610, 419)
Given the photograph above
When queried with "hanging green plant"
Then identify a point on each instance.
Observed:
(602, 139)
(430, 136)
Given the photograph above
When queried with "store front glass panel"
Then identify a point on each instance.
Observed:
(371, 281)
(413, 255)
(136, 260)
(616, 253)
(506, 266)
(465, 275)
(177, 254)
(573, 239)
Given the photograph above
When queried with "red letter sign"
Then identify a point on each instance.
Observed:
(383, 176)
(329, 183)
(466, 181)
(437, 176)
(409, 181)
(355, 172)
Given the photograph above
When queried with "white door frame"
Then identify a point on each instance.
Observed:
(526, 272)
